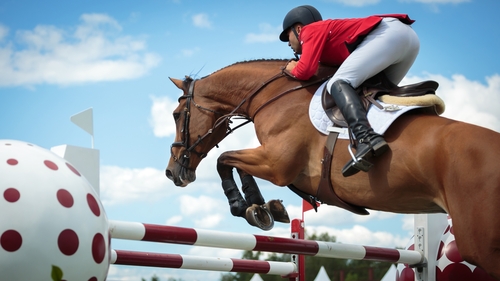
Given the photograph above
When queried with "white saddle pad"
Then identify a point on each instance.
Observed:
(380, 119)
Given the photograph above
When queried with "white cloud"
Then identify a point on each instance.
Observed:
(322, 222)
(190, 52)
(175, 220)
(342, 217)
(267, 34)
(95, 51)
(124, 185)
(215, 252)
(361, 235)
(434, 4)
(356, 3)
(355, 234)
(205, 211)
(201, 20)
(466, 100)
(161, 116)
(409, 223)
(438, 1)
(4, 31)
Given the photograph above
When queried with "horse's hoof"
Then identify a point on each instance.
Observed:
(278, 210)
(260, 217)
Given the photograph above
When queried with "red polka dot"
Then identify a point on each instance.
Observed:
(440, 250)
(98, 248)
(93, 205)
(407, 274)
(73, 169)
(447, 229)
(11, 240)
(51, 165)
(65, 198)
(68, 242)
(455, 272)
(12, 162)
(11, 195)
(451, 251)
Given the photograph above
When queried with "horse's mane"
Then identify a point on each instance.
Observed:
(246, 61)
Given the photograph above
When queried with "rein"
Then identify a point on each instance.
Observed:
(225, 118)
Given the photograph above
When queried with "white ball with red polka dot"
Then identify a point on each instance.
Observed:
(52, 224)
(449, 264)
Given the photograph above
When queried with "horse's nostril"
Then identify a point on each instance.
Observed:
(169, 174)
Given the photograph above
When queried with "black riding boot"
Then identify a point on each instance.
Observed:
(370, 144)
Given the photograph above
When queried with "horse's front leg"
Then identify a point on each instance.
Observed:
(250, 189)
(248, 209)
(237, 204)
(256, 202)
(253, 208)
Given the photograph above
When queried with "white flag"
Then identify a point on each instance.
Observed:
(84, 120)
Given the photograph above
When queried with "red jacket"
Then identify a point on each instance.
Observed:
(331, 41)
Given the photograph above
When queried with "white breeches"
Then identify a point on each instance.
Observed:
(391, 47)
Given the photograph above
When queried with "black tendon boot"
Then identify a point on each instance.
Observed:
(370, 144)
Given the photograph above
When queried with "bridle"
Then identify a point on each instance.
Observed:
(186, 154)
(224, 118)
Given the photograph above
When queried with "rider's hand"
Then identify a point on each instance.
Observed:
(291, 65)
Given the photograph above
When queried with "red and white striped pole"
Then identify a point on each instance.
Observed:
(241, 241)
(285, 269)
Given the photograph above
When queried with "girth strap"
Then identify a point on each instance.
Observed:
(325, 192)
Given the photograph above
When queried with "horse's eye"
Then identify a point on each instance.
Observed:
(176, 116)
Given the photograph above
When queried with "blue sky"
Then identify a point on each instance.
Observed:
(58, 58)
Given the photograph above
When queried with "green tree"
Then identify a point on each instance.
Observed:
(156, 278)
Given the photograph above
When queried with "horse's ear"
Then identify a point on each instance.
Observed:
(177, 82)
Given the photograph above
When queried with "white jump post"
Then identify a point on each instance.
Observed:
(427, 229)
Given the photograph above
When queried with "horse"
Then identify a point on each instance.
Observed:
(434, 164)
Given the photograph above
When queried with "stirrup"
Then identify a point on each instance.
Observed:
(358, 163)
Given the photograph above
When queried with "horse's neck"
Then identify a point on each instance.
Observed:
(238, 89)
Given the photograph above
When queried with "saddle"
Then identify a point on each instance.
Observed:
(369, 91)
(373, 88)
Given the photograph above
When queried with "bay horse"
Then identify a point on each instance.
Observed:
(434, 164)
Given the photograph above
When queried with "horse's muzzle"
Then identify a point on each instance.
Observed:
(180, 175)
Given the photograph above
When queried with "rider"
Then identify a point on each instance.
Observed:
(362, 48)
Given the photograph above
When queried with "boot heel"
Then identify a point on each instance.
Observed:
(380, 148)
(352, 168)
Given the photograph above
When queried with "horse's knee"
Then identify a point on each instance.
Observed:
(225, 171)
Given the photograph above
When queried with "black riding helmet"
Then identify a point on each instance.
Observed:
(305, 15)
